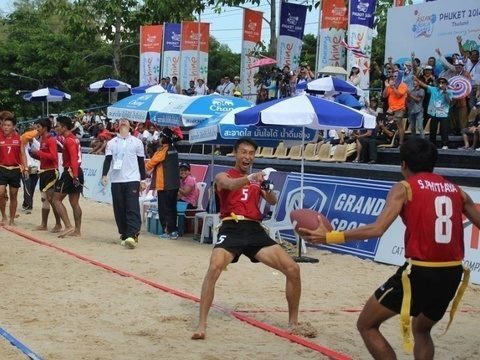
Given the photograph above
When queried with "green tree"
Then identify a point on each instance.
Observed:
(221, 62)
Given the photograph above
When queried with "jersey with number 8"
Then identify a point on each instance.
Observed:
(433, 217)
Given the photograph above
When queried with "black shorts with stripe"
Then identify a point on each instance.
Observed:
(47, 179)
(243, 237)
(11, 177)
(432, 290)
(65, 183)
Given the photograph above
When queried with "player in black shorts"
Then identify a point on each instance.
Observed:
(241, 232)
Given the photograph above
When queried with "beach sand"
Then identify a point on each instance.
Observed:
(64, 308)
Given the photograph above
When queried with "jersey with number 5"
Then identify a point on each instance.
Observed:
(10, 149)
(243, 201)
(433, 216)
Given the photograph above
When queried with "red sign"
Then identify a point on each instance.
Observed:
(151, 38)
(252, 25)
(192, 32)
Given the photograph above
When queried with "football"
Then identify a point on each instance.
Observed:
(308, 219)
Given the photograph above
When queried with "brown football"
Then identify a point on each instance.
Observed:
(308, 219)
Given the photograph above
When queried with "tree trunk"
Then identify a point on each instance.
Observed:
(117, 53)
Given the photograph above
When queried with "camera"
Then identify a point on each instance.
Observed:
(266, 185)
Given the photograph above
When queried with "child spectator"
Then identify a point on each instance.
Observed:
(188, 191)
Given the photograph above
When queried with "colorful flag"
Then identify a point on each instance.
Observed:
(331, 31)
(360, 33)
(354, 49)
(150, 54)
(290, 40)
(171, 50)
(252, 34)
(193, 57)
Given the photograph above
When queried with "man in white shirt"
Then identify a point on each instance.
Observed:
(125, 161)
(228, 87)
(472, 66)
(201, 88)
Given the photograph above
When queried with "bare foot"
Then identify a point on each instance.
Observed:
(199, 335)
(66, 232)
(11, 222)
(41, 228)
(3, 222)
(56, 229)
(75, 233)
(303, 329)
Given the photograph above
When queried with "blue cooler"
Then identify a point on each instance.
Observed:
(153, 223)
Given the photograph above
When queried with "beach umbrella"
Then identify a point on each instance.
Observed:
(348, 100)
(47, 95)
(197, 108)
(333, 70)
(305, 111)
(139, 107)
(110, 86)
(148, 89)
(264, 61)
(328, 84)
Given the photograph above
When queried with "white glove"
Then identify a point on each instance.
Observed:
(266, 172)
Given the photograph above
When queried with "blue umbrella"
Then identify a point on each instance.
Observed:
(348, 100)
(140, 106)
(328, 84)
(307, 111)
(47, 95)
(148, 89)
(109, 85)
(199, 108)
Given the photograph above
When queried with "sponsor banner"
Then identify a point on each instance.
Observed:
(391, 249)
(252, 33)
(150, 54)
(193, 58)
(92, 166)
(360, 34)
(346, 202)
(171, 50)
(290, 40)
(332, 29)
(428, 26)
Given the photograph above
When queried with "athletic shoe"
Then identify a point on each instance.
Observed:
(130, 243)
(174, 235)
(444, 147)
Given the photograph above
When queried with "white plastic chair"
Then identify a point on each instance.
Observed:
(146, 203)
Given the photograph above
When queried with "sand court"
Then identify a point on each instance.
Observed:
(63, 307)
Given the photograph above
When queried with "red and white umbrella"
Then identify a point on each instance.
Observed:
(460, 86)
(264, 61)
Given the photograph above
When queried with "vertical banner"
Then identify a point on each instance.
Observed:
(331, 32)
(360, 33)
(171, 50)
(193, 59)
(290, 39)
(252, 34)
(150, 54)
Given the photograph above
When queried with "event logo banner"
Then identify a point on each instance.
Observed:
(194, 52)
(171, 50)
(290, 40)
(150, 54)
(333, 25)
(360, 33)
(252, 34)
(426, 27)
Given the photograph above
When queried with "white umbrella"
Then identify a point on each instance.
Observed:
(47, 95)
(109, 85)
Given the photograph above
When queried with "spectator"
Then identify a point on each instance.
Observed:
(383, 134)
(473, 68)
(236, 85)
(219, 88)
(77, 129)
(191, 89)
(408, 75)
(188, 191)
(415, 109)
(99, 144)
(428, 78)
(228, 86)
(396, 96)
(151, 134)
(438, 108)
(471, 131)
(164, 165)
(175, 89)
(125, 161)
(262, 95)
(201, 88)
(354, 77)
